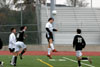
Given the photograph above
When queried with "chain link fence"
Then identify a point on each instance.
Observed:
(13, 18)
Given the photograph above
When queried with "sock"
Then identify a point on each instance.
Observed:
(12, 60)
(79, 63)
(84, 58)
(52, 46)
(15, 60)
(49, 50)
(0, 62)
(22, 52)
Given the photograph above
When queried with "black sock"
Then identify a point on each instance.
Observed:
(22, 52)
(84, 58)
(15, 60)
(79, 63)
(0, 62)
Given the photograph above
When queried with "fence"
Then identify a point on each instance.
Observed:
(13, 18)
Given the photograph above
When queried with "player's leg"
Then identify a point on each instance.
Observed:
(87, 58)
(16, 52)
(15, 58)
(52, 45)
(24, 49)
(78, 55)
(21, 54)
(49, 51)
(79, 61)
(12, 51)
(1, 63)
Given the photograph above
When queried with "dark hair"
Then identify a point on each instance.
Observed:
(50, 19)
(79, 31)
(21, 28)
(12, 29)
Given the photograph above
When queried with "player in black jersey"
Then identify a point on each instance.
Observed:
(20, 44)
(79, 43)
(1, 45)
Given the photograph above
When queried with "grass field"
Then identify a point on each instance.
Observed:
(43, 61)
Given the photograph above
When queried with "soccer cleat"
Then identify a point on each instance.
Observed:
(54, 50)
(89, 59)
(20, 56)
(12, 64)
(2, 64)
(49, 56)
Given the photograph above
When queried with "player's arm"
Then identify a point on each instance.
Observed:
(74, 42)
(47, 29)
(23, 34)
(55, 29)
(84, 43)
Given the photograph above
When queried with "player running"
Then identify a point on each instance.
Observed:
(1, 45)
(12, 41)
(79, 43)
(49, 36)
(20, 44)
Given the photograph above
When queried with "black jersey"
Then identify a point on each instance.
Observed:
(79, 42)
(1, 44)
(20, 36)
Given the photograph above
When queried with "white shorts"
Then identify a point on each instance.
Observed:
(79, 53)
(19, 45)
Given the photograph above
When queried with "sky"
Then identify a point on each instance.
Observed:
(96, 3)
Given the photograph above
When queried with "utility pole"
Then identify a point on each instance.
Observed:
(21, 15)
(53, 13)
(91, 3)
(52, 7)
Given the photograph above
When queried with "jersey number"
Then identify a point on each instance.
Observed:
(79, 40)
(18, 35)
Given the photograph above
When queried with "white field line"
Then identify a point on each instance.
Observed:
(76, 62)
(60, 60)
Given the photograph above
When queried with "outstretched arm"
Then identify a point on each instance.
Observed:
(74, 42)
(84, 43)
(55, 30)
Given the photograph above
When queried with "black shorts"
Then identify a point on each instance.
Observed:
(11, 49)
(49, 37)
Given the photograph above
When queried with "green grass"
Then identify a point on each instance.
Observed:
(31, 61)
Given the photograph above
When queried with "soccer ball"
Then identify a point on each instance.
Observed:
(54, 12)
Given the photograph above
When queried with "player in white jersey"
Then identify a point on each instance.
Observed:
(12, 41)
(20, 44)
(49, 35)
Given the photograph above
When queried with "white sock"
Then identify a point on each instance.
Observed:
(52, 46)
(49, 50)
(12, 60)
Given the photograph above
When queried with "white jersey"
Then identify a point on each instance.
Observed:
(49, 26)
(12, 40)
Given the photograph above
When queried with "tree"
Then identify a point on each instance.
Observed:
(78, 3)
(2, 3)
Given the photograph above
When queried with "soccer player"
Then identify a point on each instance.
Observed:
(49, 36)
(1, 45)
(20, 44)
(12, 41)
(79, 43)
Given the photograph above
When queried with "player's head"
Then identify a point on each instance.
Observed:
(23, 28)
(13, 30)
(51, 20)
(79, 31)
